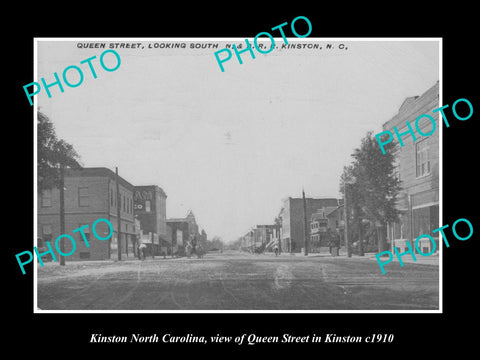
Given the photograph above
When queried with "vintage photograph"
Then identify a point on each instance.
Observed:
(207, 175)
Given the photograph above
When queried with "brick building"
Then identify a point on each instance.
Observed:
(417, 166)
(292, 218)
(184, 230)
(151, 210)
(90, 194)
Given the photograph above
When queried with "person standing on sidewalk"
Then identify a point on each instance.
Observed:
(329, 240)
(336, 243)
(142, 249)
(275, 247)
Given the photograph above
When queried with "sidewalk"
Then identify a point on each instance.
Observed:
(424, 260)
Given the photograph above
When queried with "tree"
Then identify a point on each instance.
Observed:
(52, 155)
(215, 244)
(353, 200)
(373, 194)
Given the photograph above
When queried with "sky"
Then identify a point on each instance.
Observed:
(230, 145)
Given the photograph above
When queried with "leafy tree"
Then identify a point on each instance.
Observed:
(374, 192)
(216, 243)
(348, 183)
(53, 154)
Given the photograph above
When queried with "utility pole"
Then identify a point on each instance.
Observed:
(62, 213)
(360, 232)
(347, 240)
(305, 223)
(119, 199)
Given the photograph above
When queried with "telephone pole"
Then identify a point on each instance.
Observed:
(305, 223)
(62, 213)
(119, 223)
(347, 240)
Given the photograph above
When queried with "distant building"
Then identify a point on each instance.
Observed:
(264, 236)
(90, 194)
(184, 230)
(248, 241)
(417, 167)
(292, 217)
(324, 219)
(151, 211)
(336, 219)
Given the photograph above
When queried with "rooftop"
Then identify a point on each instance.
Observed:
(148, 187)
(97, 172)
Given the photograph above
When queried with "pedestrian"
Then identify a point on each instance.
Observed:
(199, 251)
(329, 240)
(143, 249)
(337, 242)
(275, 247)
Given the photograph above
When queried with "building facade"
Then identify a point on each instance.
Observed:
(184, 231)
(265, 236)
(293, 223)
(248, 242)
(90, 194)
(151, 210)
(417, 167)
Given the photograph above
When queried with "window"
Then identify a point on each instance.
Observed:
(83, 196)
(123, 203)
(47, 198)
(111, 197)
(84, 255)
(47, 232)
(86, 231)
(147, 205)
(423, 162)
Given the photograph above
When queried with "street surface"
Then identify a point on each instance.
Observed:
(238, 281)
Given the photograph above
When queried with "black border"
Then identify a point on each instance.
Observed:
(429, 333)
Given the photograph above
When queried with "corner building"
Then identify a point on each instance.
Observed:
(417, 167)
(90, 194)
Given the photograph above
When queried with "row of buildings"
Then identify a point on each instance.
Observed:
(93, 193)
(416, 166)
(324, 216)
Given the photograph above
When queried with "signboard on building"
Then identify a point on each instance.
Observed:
(143, 200)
